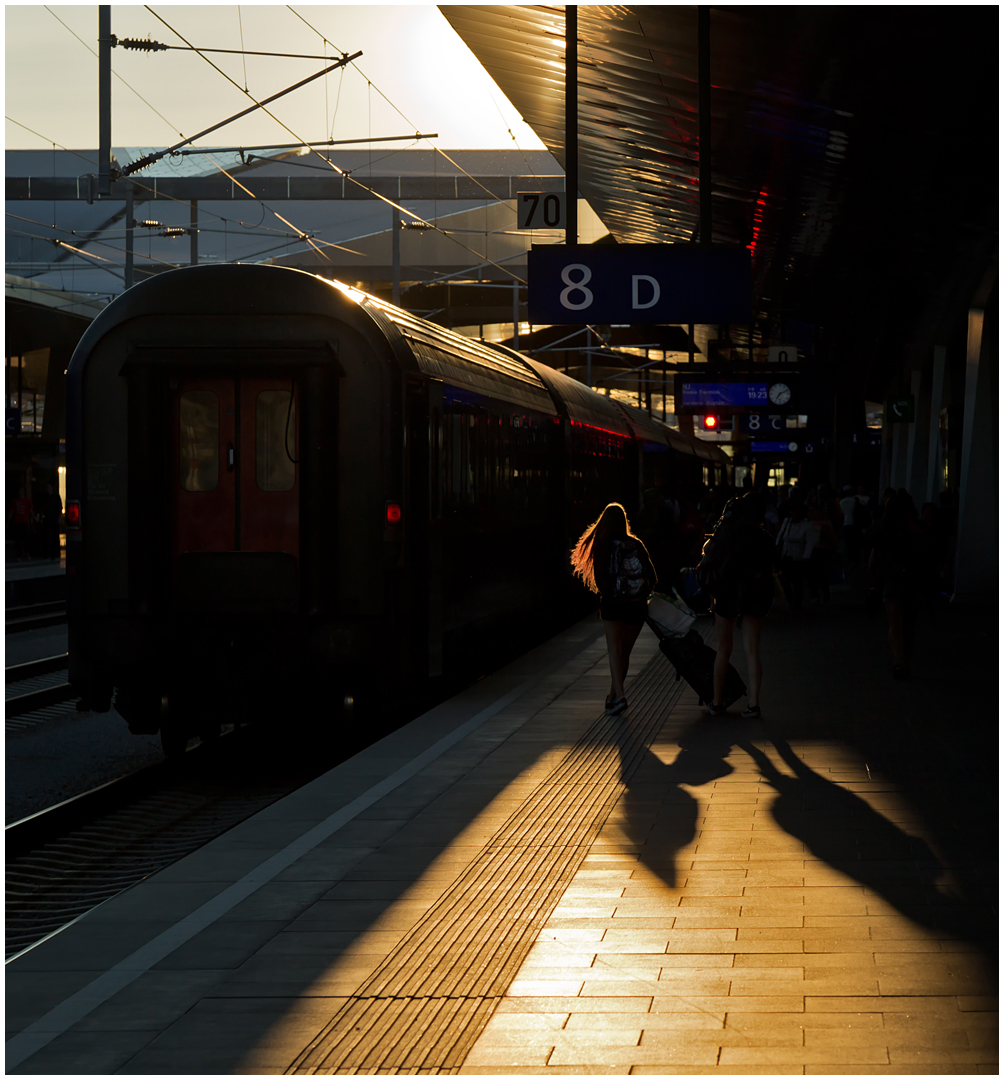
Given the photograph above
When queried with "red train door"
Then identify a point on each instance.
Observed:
(269, 517)
(235, 488)
(205, 457)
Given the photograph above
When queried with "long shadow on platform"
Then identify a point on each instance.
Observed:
(840, 828)
(834, 824)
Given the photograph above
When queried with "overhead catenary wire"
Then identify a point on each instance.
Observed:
(244, 55)
(372, 85)
(115, 73)
(150, 159)
(341, 172)
(298, 233)
(301, 235)
(297, 145)
(148, 45)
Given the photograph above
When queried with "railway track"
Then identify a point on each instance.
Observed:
(36, 616)
(37, 685)
(64, 861)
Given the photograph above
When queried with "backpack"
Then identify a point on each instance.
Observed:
(627, 572)
(722, 552)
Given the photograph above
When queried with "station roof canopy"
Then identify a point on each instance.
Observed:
(853, 148)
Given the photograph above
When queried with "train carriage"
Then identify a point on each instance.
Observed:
(277, 481)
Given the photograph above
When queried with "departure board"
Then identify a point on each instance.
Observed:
(716, 395)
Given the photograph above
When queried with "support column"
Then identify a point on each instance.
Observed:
(934, 430)
(104, 100)
(976, 557)
(193, 231)
(911, 434)
(515, 314)
(395, 247)
(572, 123)
(130, 224)
(589, 355)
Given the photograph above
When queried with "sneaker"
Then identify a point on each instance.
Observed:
(616, 707)
(717, 710)
(752, 712)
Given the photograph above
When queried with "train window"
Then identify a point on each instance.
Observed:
(275, 443)
(200, 440)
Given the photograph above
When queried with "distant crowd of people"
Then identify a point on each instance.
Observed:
(792, 541)
(819, 534)
(35, 524)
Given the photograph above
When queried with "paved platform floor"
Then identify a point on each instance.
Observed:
(515, 884)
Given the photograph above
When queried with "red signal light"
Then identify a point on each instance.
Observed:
(393, 513)
(711, 423)
(73, 514)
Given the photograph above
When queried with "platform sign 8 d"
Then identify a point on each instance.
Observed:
(540, 210)
(629, 283)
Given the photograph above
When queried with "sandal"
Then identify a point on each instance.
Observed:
(616, 707)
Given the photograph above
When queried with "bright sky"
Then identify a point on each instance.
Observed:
(410, 54)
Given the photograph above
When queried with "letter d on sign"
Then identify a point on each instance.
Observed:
(635, 299)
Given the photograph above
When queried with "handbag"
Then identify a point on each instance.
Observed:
(671, 614)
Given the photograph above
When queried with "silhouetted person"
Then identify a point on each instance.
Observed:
(897, 568)
(850, 532)
(824, 548)
(771, 518)
(613, 562)
(935, 533)
(739, 559)
(20, 515)
(795, 539)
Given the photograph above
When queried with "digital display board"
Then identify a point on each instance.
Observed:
(765, 446)
(716, 395)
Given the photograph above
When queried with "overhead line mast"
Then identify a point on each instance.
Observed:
(105, 99)
(150, 159)
(149, 45)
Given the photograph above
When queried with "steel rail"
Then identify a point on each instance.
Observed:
(35, 616)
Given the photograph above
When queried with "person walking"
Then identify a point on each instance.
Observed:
(849, 531)
(20, 516)
(739, 559)
(612, 561)
(824, 548)
(795, 539)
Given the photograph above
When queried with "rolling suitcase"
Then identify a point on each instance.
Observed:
(695, 661)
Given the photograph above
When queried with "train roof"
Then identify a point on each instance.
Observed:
(458, 360)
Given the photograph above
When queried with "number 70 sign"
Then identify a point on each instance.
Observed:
(540, 210)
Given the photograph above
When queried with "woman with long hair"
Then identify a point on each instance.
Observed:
(612, 561)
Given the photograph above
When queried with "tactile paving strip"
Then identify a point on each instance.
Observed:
(422, 1010)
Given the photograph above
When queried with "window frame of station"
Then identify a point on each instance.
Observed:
(712, 473)
(779, 472)
(511, 444)
(19, 361)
